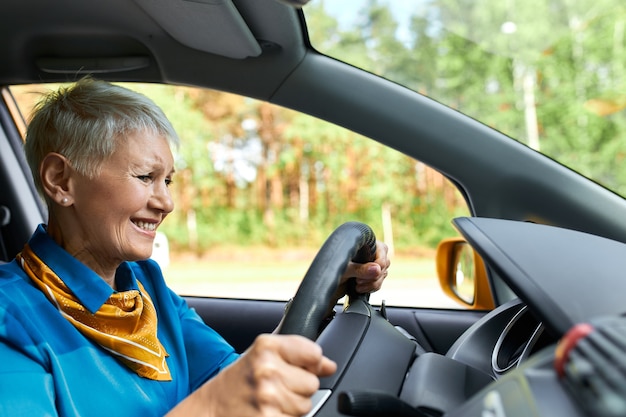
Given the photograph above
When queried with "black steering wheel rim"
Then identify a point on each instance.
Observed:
(351, 241)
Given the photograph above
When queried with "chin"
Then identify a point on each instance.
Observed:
(139, 255)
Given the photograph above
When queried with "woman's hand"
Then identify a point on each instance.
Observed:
(369, 276)
(276, 376)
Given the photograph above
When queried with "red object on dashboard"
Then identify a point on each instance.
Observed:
(567, 343)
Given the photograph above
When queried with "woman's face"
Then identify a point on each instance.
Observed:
(117, 213)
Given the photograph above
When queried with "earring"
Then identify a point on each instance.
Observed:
(65, 200)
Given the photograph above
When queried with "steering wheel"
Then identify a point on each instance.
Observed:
(372, 356)
(351, 241)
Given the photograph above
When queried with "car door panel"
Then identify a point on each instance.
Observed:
(240, 321)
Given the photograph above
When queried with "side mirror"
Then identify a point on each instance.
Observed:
(462, 274)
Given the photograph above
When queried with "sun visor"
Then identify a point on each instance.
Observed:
(213, 26)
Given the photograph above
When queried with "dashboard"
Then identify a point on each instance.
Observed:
(511, 333)
(558, 348)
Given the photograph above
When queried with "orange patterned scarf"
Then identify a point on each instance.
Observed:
(125, 325)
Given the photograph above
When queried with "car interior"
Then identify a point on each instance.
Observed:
(470, 361)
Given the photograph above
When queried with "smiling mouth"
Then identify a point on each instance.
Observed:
(150, 227)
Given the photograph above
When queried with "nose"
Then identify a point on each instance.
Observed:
(162, 198)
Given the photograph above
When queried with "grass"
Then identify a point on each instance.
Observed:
(276, 275)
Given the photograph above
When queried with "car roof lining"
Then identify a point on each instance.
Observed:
(67, 39)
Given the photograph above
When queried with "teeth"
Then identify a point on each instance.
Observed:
(146, 226)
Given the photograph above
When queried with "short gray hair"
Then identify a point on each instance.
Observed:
(84, 121)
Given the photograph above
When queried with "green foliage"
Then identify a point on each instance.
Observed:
(312, 176)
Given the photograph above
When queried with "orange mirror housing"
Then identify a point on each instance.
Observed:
(462, 274)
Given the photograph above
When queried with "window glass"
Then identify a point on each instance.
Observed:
(547, 73)
(259, 188)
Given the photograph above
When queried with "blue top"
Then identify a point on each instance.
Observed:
(47, 367)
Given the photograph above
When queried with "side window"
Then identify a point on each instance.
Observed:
(259, 188)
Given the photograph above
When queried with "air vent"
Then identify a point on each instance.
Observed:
(591, 361)
(517, 342)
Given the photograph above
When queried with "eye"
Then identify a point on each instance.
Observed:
(168, 181)
(144, 178)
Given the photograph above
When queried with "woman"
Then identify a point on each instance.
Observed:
(87, 325)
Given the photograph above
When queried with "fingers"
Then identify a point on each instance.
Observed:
(303, 353)
(276, 376)
(287, 371)
(369, 276)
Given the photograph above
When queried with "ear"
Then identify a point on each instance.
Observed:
(55, 172)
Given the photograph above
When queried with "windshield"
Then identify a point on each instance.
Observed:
(550, 74)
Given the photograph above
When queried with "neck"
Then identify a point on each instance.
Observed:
(81, 253)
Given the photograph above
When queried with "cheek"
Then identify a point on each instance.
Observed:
(106, 202)
(131, 196)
